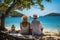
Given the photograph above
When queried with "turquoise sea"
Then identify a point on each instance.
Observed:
(48, 22)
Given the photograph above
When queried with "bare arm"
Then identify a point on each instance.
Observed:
(41, 28)
(30, 29)
(20, 26)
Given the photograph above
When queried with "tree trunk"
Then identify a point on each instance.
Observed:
(5, 15)
(2, 22)
(10, 8)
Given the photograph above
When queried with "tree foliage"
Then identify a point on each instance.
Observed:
(15, 14)
(20, 4)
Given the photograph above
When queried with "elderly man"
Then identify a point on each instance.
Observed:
(36, 26)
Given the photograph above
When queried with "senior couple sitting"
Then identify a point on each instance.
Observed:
(34, 28)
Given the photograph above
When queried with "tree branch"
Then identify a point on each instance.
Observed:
(9, 9)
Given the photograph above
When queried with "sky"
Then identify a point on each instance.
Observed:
(50, 7)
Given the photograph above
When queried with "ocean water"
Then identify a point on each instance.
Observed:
(48, 22)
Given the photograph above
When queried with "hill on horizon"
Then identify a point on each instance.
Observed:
(53, 14)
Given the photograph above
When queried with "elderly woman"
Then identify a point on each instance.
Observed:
(25, 25)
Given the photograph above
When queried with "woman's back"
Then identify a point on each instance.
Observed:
(25, 27)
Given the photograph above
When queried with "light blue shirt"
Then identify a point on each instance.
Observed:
(36, 27)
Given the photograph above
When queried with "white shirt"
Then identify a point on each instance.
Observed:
(36, 27)
(24, 30)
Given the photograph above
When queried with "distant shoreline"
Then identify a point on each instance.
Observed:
(53, 14)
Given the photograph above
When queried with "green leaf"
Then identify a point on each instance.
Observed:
(42, 7)
(48, 0)
(39, 1)
(8, 1)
